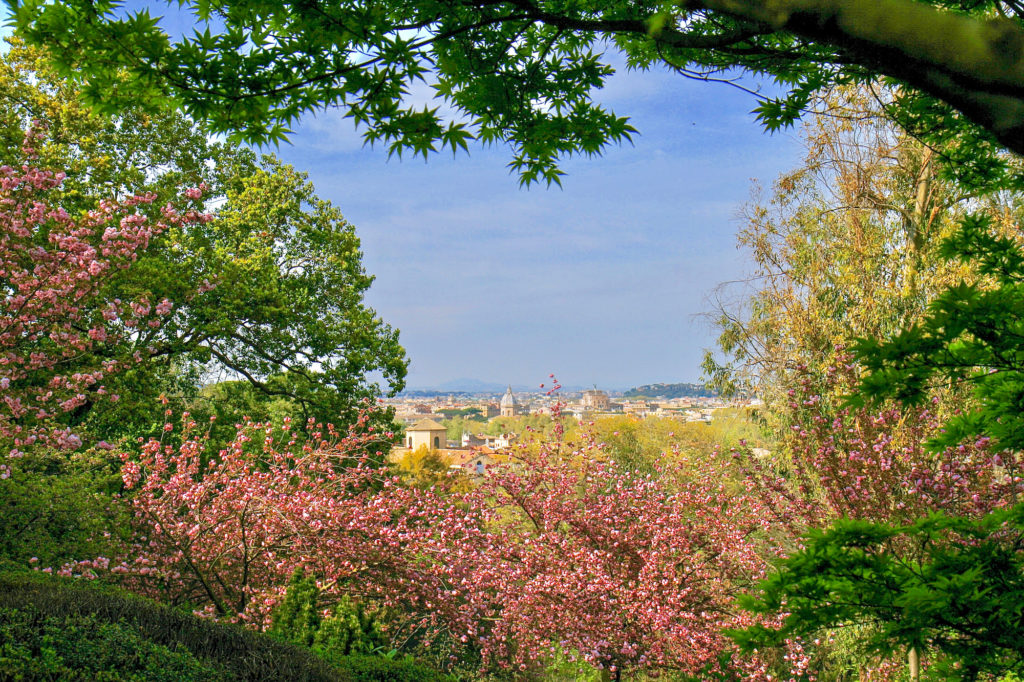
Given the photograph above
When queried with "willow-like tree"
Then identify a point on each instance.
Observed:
(846, 245)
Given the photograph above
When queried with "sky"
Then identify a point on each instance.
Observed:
(603, 282)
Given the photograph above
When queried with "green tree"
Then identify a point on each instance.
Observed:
(946, 586)
(459, 424)
(60, 507)
(524, 71)
(633, 443)
(270, 291)
(298, 617)
(973, 335)
(345, 628)
(285, 314)
(426, 468)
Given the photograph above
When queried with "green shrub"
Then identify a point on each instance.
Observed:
(383, 669)
(231, 652)
(349, 629)
(297, 619)
(350, 637)
(83, 647)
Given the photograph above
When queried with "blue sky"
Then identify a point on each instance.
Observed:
(601, 282)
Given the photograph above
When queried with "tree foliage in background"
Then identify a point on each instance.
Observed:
(525, 71)
(642, 445)
(973, 334)
(871, 238)
(845, 246)
(669, 391)
(270, 292)
(873, 464)
(426, 468)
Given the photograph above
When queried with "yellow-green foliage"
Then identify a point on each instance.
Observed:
(424, 467)
(639, 443)
(539, 423)
(459, 424)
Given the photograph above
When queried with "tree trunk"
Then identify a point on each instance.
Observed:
(921, 200)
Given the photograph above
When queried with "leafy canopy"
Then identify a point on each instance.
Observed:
(953, 585)
(524, 72)
(270, 291)
(972, 334)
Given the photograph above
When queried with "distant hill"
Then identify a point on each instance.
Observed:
(669, 391)
(460, 387)
(471, 386)
(432, 393)
(467, 387)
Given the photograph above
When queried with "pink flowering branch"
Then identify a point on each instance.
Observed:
(553, 553)
(59, 338)
(873, 465)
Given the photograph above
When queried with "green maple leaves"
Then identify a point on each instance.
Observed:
(951, 584)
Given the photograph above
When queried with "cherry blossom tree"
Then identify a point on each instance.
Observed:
(876, 465)
(846, 466)
(226, 531)
(621, 571)
(59, 336)
(557, 553)
(564, 552)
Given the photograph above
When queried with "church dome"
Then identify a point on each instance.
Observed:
(509, 400)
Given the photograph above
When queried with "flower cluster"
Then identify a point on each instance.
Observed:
(60, 338)
(553, 552)
(875, 464)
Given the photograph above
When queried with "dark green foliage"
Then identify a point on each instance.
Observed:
(526, 73)
(350, 628)
(233, 651)
(350, 637)
(951, 587)
(470, 412)
(34, 646)
(972, 333)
